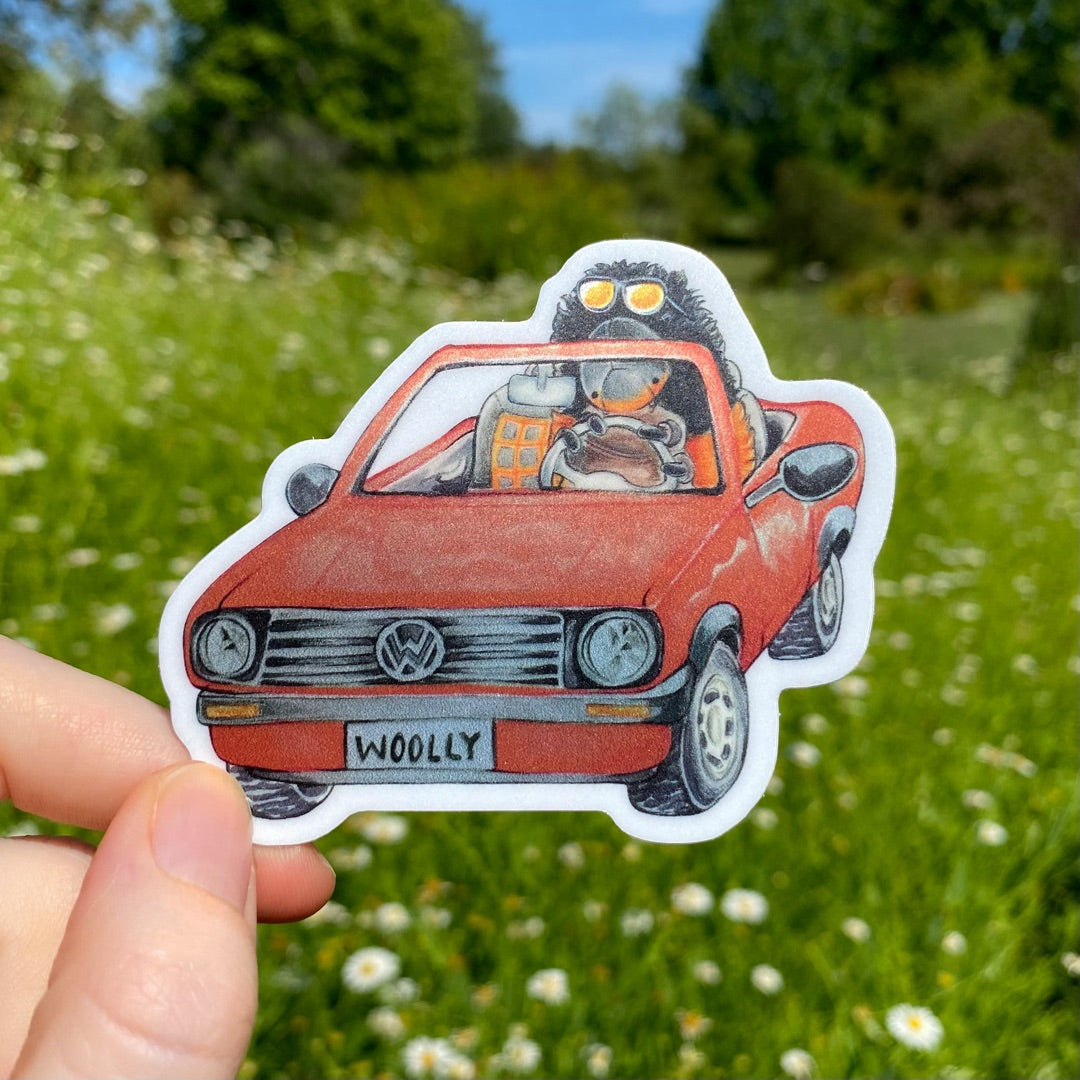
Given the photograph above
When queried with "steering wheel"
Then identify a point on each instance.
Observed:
(666, 440)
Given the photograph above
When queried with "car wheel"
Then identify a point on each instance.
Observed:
(812, 628)
(277, 799)
(708, 746)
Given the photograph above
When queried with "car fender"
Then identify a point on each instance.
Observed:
(720, 622)
(835, 533)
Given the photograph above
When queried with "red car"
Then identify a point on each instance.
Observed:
(509, 582)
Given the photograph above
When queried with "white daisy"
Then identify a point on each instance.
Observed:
(857, 929)
(425, 1057)
(954, 943)
(367, 969)
(805, 755)
(692, 1024)
(744, 906)
(991, 833)
(572, 856)
(977, 799)
(382, 828)
(386, 1023)
(392, 918)
(707, 972)
(636, 921)
(519, 1054)
(598, 1060)
(550, 986)
(797, 1063)
(914, 1026)
(767, 979)
(691, 899)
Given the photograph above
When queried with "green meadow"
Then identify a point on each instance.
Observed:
(918, 844)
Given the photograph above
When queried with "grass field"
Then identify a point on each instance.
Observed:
(919, 841)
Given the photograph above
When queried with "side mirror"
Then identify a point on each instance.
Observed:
(810, 473)
(309, 486)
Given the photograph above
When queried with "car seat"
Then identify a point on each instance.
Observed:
(510, 442)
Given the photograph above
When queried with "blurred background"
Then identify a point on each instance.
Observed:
(221, 219)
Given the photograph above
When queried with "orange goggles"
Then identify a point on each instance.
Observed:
(643, 296)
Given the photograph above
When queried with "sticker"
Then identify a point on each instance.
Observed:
(562, 564)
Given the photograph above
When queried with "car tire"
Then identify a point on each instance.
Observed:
(277, 799)
(812, 628)
(708, 744)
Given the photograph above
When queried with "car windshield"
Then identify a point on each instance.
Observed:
(639, 425)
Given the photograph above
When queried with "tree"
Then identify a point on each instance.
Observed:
(819, 78)
(383, 83)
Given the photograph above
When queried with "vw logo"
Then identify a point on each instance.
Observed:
(409, 650)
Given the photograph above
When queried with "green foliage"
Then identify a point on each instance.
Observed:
(360, 83)
(894, 291)
(288, 171)
(482, 220)
(819, 217)
(879, 87)
(1053, 328)
(1007, 176)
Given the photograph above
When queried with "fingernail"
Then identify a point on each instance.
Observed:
(201, 832)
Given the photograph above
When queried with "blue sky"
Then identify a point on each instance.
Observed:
(558, 56)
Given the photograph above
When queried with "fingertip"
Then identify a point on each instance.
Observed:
(294, 881)
(196, 802)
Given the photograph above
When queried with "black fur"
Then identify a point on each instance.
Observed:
(574, 322)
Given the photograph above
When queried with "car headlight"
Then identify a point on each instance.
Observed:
(616, 648)
(225, 646)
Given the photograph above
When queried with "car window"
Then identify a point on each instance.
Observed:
(603, 425)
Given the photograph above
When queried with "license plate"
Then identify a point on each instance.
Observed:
(422, 745)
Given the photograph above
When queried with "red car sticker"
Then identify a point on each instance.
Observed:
(567, 563)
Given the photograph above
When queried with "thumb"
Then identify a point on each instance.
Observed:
(156, 974)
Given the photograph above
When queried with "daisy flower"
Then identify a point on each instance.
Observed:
(519, 1054)
(745, 906)
(636, 921)
(991, 833)
(691, 899)
(386, 1023)
(424, 1057)
(857, 929)
(367, 969)
(954, 943)
(914, 1026)
(797, 1063)
(550, 986)
(767, 979)
(392, 918)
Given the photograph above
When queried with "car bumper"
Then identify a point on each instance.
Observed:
(462, 736)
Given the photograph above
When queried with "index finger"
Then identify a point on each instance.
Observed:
(73, 746)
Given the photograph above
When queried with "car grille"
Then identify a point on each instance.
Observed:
(315, 647)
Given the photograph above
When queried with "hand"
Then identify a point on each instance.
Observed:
(137, 959)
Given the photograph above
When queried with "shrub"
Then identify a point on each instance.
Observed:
(891, 291)
(820, 218)
(1053, 328)
(1007, 177)
(482, 221)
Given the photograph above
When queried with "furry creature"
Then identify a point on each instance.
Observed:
(641, 300)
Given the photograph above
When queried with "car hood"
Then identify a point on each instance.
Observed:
(486, 550)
